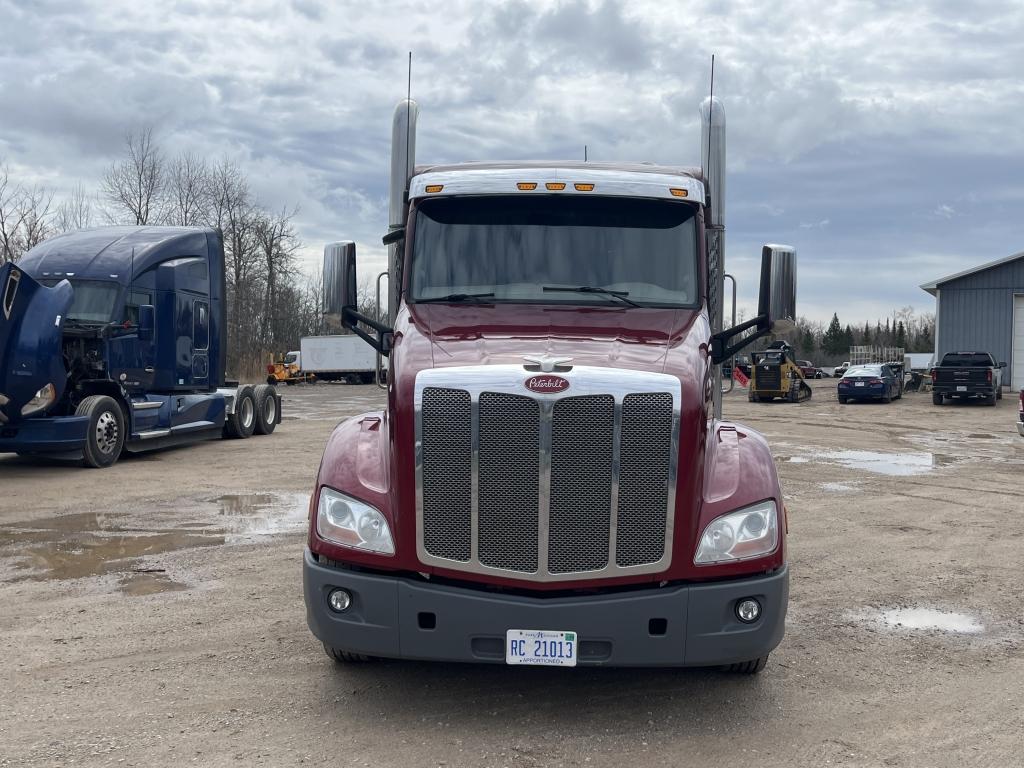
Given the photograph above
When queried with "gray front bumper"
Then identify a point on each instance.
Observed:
(403, 618)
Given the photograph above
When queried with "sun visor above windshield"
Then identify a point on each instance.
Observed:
(557, 181)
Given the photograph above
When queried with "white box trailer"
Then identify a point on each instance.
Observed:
(338, 358)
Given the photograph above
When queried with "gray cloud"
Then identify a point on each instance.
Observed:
(894, 123)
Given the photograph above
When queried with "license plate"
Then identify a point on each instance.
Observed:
(540, 648)
(860, 384)
(961, 389)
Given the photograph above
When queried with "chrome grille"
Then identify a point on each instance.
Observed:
(646, 440)
(546, 486)
(582, 431)
(509, 481)
(447, 454)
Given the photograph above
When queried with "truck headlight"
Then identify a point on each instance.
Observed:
(749, 532)
(343, 520)
(43, 399)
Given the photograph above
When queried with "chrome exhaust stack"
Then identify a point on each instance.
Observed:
(403, 161)
(712, 154)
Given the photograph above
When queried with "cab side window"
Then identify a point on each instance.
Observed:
(135, 300)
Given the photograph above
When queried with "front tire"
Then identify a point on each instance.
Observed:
(104, 437)
(242, 422)
(266, 409)
(752, 667)
(346, 657)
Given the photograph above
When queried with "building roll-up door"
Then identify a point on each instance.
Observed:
(1017, 345)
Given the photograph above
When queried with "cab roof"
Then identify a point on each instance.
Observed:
(113, 253)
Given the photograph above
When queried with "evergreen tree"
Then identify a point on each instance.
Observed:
(848, 337)
(807, 343)
(867, 334)
(924, 340)
(833, 341)
(901, 335)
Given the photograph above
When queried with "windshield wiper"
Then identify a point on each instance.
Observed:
(620, 295)
(456, 297)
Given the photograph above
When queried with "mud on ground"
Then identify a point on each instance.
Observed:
(151, 614)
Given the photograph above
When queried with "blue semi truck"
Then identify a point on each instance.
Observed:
(114, 339)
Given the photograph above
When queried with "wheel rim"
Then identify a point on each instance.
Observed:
(247, 412)
(270, 409)
(107, 432)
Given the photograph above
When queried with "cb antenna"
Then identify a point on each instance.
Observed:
(584, 153)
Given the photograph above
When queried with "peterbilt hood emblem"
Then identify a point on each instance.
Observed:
(546, 383)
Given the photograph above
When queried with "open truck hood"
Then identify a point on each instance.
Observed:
(31, 322)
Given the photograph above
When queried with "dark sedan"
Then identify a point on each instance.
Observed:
(870, 382)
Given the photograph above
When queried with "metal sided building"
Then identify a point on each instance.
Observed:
(982, 310)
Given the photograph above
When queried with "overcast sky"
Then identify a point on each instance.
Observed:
(883, 139)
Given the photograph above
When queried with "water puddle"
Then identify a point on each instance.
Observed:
(926, 620)
(148, 583)
(893, 464)
(90, 544)
(838, 487)
(261, 514)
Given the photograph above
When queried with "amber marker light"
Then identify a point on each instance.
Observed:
(432, 188)
(584, 187)
(526, 186)
(555, 186)
(676, 192)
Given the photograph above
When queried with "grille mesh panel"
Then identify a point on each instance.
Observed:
(447, 473)
(509, 481)
(645, 453)
(581, 483)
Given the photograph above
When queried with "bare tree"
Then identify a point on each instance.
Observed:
(36, 226)
(188, 191)
(233, 213)
(134, 187)
(10, 217)
(75, 212)
(277, 242)
(24, 216)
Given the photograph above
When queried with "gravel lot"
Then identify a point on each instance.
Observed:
(152, 614)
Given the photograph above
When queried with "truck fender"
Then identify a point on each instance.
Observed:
(356, 462)
(739, 471)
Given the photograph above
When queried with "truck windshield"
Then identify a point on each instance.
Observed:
(94, 300)
(515, 247)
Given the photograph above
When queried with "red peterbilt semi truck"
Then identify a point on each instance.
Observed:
(551, 482)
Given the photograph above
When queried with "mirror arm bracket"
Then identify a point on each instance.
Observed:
(721, 350)
(381, 342)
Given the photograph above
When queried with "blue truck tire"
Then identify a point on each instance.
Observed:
(266, 409)
(104, 437)
(242, 421)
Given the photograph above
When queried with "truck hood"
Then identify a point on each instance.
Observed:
(503, 333)
(31, 325)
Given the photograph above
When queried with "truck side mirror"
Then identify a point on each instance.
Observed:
(777, 300)
(147, 322)
(339, 283)
(1002, 365)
